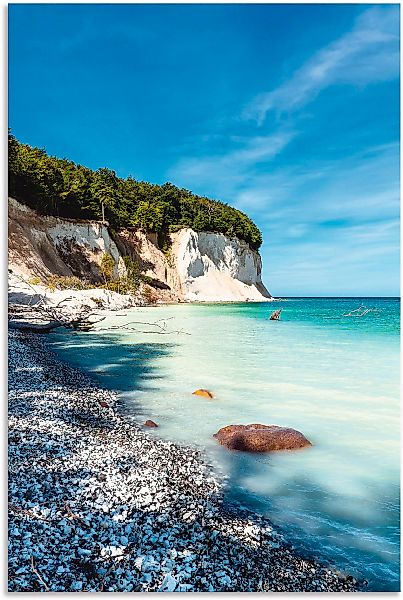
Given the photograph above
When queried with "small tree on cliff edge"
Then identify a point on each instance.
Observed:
(107, 266)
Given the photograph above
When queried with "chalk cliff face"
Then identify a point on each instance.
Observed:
(212, 267)
(41, 245)
(201, 266)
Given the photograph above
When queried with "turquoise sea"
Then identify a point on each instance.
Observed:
(333, 377)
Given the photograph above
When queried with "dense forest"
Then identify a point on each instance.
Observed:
(59, 187)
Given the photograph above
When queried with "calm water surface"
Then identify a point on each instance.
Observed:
(333, 377)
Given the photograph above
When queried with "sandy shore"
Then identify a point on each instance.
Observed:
(99, 504)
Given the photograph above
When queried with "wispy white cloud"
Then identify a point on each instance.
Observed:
(368, 53)
(230, 168)
(362, 185)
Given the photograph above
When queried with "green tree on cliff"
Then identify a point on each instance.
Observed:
(60, 187)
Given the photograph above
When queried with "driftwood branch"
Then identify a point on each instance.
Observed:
(360, 312)
(72, 515)
(39, 317)
(160, 325)
(39, 576)
(33, 327)
(14, 508)
(43, 319)
(36, 298)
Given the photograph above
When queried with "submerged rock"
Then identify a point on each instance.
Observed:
(150, 423)
(261, 438)
(204, 393)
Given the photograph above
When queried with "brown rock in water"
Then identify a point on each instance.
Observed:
(150, 423)
(261, 438)
(205, 393)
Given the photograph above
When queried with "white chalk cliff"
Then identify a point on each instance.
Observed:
(212, 267)
(201, 266)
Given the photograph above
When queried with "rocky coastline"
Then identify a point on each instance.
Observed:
(97, 503)
(200, 266)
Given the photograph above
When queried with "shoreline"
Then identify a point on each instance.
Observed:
(21, 291)
(99, 504)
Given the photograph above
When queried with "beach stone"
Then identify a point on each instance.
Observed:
(261, 438)
(150, 423)
(204, 393)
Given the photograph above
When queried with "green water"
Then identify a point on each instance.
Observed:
(335, 378)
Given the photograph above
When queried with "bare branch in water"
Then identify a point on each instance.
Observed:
(161, 328)
(360, 312)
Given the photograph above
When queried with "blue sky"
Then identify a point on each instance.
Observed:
(288, 112)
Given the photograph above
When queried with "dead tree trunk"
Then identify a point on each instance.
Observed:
(43, 319)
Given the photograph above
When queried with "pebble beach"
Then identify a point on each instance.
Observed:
(98, 503)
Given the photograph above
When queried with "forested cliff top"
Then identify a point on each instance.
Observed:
(60, 187)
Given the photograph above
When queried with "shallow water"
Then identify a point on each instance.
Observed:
(334, 378)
